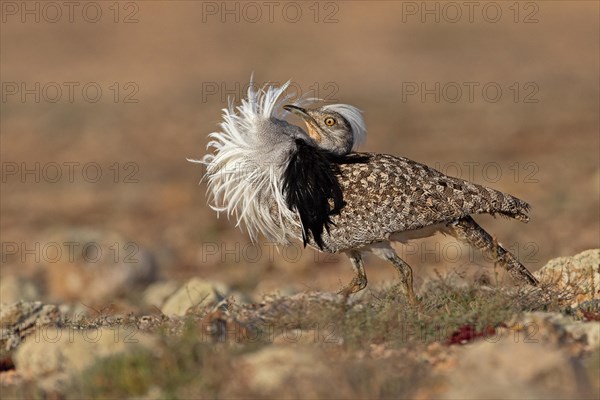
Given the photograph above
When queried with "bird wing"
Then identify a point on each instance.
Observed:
(385, 194)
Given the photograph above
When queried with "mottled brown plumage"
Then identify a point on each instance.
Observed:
(390, 198)
(391, 194)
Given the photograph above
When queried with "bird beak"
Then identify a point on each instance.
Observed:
(311, 124)
(296, 110)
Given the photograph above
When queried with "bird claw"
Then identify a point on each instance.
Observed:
(356, 285)
(412, 299)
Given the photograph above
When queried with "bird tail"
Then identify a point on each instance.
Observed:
(484, 200)
(509, 206)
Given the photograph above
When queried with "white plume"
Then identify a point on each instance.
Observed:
(242, 181)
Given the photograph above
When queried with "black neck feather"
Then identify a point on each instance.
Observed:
(311, 188)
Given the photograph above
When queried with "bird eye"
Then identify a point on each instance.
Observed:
(329, 121)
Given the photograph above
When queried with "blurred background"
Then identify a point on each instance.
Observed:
(102, 103)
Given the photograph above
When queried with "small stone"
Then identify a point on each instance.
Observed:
(576, 278)
(157, 293)
(14, 289)
(193, 293)
(55, 354)
(556, 328)
(21, 319)
(281, 370)
(515, 370)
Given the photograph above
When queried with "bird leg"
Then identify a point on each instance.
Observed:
(386, 252)
(359, 282)
(466, 229)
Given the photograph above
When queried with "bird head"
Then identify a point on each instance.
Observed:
(338, 128)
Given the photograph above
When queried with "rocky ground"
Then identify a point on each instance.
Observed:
(201, 339)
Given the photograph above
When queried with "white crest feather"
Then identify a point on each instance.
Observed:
(354, 117)
(240, 183)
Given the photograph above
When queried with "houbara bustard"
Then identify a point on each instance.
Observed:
(282, 182)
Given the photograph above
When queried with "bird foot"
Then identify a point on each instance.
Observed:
(409, 292)
(357, 284)
(412, 298)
